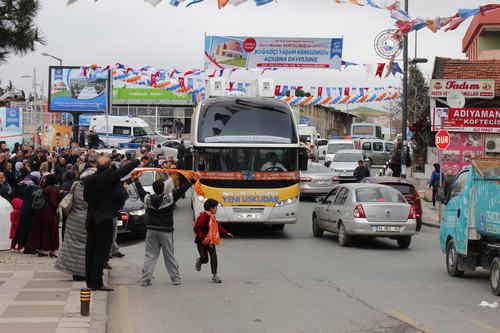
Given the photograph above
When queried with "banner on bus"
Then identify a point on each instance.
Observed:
(272, 52)
(249, 175)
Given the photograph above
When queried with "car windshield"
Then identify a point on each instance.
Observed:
(317, 168)
(335, 147)
(147, 178)
(347, 157)
(378, 194)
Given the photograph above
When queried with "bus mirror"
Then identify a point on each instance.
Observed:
(303, 159)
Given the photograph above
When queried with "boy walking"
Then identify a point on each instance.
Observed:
(160, 228)
(207, 230)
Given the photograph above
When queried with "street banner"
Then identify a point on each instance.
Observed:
(468, 88)
(71, 91)
(55, 136)
(11, 126)
(148, 94)
(480, 120)
(462, 147)
(223, 52)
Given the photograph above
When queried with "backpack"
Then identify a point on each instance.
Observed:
(38, 199)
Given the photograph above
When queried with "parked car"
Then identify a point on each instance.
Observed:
(345, 161)
(378, 151)
(334, 146)
(371, 210)
(406, 188)
(316, 180)
(133, 217)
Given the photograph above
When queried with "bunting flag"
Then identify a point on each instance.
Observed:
(380, 69)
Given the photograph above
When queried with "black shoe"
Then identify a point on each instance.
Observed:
(118, 255)
(106, 266)
(102, 288)
(78, 278)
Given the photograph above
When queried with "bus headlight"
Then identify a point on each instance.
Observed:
(139, 212)
(286, 202)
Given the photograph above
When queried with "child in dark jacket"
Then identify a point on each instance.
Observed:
(160, 228)
(205, 246)
(15, 218)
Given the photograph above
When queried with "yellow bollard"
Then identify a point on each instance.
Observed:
(84, 302)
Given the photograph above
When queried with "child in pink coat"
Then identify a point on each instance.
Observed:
(15, 217)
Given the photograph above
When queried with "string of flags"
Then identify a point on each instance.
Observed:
(194, 81)
(404, 22)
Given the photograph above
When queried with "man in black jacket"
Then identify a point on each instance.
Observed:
(160, 228)
(102, 193)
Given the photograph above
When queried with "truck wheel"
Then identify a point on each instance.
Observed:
(495, 276)
(404, 242)
(344, 238)
(317, 231)
(452, 260)
(278, 226)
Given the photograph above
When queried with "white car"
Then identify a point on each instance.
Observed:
(345, 161)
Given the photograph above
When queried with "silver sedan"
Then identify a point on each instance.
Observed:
(371, 210)
(317, 180)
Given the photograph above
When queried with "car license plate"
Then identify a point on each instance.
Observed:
(387, 228)
(324, 182)
(247, 216)
(345, 174)
(119, 223)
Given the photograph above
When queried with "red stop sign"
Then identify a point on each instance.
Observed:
(442, 139)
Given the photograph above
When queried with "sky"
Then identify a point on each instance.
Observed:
(134, 33)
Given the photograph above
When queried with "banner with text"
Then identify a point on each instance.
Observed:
(272, 52)
(468, 88)
(481, 120)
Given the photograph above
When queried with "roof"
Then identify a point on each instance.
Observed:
(447, 68)
(391, 180)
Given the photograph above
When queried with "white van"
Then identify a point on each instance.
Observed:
(309, 136)
(121, 129)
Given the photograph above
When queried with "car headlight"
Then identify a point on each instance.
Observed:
(286, 202)
(139, 212)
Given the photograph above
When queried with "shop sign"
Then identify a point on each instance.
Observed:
(479, 120)
(469, 88)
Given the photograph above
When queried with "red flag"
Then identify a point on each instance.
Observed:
(231, 84)
(299, 87)
(380, 69)
(181, 82)
(153, 80)
(277, 90)
(346, 91)
(320, 91)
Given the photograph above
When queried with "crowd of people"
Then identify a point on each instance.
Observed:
(35, 181)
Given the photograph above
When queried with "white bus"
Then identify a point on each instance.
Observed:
(247, 151)
(366, 131)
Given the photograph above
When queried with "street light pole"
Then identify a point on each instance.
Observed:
(405, 100)
(50, 55)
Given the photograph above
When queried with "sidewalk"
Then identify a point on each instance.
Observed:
(36, 298)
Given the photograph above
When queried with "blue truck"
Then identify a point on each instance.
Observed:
(470, 223)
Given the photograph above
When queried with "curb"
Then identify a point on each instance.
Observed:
(99, 315)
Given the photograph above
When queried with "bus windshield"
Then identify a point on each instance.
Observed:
(243, 121)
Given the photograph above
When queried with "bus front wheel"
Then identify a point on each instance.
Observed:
(278, 226)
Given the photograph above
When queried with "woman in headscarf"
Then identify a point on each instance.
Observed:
(27, 186)
(45, 231)
(71, 258)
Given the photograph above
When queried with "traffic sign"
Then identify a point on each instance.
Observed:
(442, 139)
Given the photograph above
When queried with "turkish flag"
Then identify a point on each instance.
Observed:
(231, 84)
(346, 91)
(277, 90)
(320, 91)
(380, 69)
(153, 80)
(181, 82)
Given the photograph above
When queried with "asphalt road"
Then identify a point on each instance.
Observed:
(290, 281)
